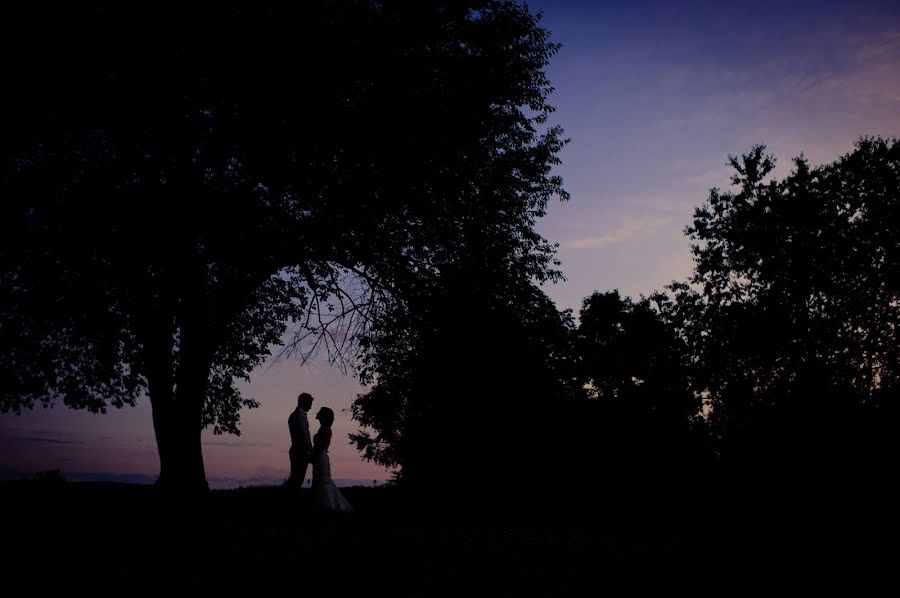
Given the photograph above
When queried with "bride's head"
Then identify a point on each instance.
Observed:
(326, 416)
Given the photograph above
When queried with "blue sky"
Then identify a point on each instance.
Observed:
(654, 96)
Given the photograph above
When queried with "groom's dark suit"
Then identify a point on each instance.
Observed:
(301, 446)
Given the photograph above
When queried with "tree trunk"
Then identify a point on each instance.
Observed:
(161, 428)
(161, 390)
(177, 402)
(179, 351)
(185, 467)
(178, 431)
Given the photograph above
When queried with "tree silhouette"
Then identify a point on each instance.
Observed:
(178, 187)
(474, 380)
(793, 326)
(629, 352)
(636, 364)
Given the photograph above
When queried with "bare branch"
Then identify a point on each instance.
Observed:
(335, 331)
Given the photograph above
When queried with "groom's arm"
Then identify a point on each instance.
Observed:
(304, 425)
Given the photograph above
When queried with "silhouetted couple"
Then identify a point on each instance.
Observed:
(306, 450)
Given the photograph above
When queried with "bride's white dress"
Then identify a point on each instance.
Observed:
(325, 495)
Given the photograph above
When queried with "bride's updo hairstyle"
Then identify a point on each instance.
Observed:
(326, 416)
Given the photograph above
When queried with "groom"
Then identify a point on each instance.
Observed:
(301, 443)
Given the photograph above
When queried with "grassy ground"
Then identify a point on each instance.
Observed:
(112, 537)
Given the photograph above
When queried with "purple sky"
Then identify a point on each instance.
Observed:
(654, 95)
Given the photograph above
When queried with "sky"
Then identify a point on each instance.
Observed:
(654, 96)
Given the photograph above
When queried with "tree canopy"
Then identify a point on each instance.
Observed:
(467, 376)
(805, 273)
(780, 352)
(793, 311)
(178, 186)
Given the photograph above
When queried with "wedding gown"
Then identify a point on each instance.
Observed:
(325, 495)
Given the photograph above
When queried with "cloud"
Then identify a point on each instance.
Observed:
(44, 440)
(627, 230)
(884, 47)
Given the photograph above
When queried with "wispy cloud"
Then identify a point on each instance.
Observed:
(627, 230)
(44, 440)
(885, 46)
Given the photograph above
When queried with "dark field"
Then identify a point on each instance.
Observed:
(110, 537)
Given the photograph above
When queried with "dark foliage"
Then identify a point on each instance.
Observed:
(780, 356)
(793, 329)
(475, 384)
(177, 185)
(636, 366)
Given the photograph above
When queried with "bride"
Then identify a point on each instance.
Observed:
(325, 495)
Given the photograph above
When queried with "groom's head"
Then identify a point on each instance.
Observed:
(304, 401)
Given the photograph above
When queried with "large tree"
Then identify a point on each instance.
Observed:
(636, 363)
(630, 352)
(794, 313)
(474, 381)
(177, 185)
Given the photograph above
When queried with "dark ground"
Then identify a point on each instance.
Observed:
(100, 537)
